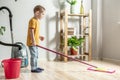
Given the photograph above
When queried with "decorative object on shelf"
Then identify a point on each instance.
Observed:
(74, 42)
(71, 31)
(2, 30)
(81, 8)
(72, 4)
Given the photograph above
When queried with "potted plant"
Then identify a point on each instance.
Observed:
(74, 42)
(2, 30)
(72, 3)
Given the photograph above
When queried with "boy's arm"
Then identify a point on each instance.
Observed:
(32, 36)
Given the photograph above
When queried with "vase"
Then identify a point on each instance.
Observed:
(81, 8)
(72, 9)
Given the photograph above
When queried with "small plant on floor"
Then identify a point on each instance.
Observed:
(2, 30)
(74, 42)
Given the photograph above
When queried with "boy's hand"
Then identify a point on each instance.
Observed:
(34, 44)
(41, 38)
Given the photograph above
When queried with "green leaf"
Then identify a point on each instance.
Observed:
(1, 33)
(74, 41)
(72, 2)
(2, 27)
(2, 30)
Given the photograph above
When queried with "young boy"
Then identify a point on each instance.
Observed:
(33, 37)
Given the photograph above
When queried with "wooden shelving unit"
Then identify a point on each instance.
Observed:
(85, 22)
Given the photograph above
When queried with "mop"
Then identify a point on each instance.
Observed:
(91, 68)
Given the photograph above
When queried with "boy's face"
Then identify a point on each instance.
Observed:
(39, 14)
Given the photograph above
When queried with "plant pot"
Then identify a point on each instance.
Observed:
(73, 51)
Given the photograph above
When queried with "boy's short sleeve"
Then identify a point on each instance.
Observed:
(32, 24)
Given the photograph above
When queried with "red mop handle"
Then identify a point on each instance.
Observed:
(66, 56)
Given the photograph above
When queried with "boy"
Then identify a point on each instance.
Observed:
(33, 37)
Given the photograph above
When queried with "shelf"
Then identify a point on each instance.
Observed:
(82, 56)
(77, 55)
(78, 35)
(84, 15)
(79, 15)
(84, 22)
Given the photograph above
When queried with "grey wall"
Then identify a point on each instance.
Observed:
(106, 29)
(94, 28)
(97, 29)
(111, 29)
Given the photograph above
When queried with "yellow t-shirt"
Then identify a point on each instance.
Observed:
(33, 24)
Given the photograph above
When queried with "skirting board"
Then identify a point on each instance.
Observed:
(115, 61)
(112, 60)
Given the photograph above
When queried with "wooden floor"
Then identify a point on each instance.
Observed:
(68, 71)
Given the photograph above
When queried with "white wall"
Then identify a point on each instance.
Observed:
(22, 11)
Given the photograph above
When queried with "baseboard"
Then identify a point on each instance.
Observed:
(95, 58)
(112, 60)
(115, 61)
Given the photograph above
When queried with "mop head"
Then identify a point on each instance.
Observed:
(101, 70)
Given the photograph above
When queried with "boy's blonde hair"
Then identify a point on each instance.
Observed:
(39, 8)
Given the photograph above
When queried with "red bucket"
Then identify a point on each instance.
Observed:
(11, 68)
